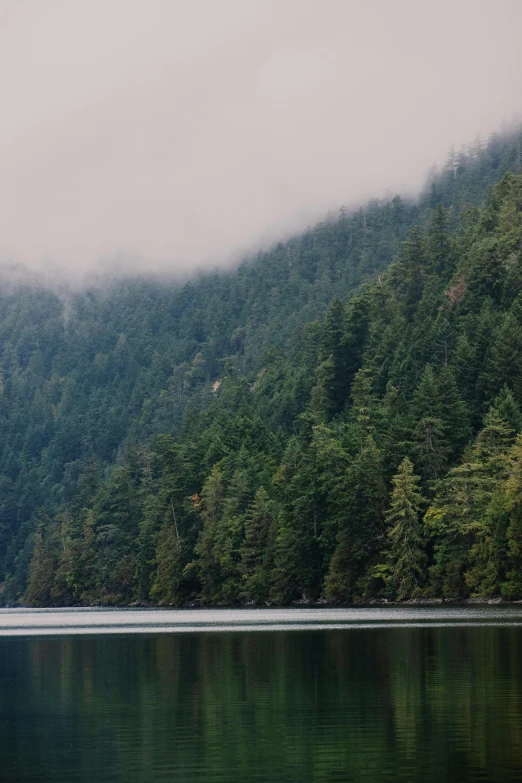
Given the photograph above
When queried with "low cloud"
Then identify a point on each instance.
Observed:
(172, 135)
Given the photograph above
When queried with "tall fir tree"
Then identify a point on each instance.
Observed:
(406, 557)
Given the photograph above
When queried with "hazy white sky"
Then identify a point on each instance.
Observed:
(182, 130)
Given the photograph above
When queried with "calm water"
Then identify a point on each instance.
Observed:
(374, 695)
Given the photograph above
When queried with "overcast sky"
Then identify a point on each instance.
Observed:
(180, 131)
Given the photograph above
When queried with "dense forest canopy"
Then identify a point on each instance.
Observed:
(338, 417)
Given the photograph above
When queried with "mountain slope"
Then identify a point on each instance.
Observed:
(93, 381)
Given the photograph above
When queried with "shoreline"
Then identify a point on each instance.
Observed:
(300, 604)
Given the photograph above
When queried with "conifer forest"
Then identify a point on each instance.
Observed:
(339, 418)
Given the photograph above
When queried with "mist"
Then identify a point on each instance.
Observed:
(173, 136)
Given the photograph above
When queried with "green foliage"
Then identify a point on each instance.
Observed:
(406, 559)
(236, 438)
(257, 548)
(361, 525)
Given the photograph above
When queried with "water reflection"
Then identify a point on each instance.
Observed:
(401, 704)
(27, 622)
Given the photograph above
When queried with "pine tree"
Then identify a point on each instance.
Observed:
(256, 549)
(414, 267)
(472, 345)
(505, 407)
(169, 564)
(361, 535)
(406, 558)
(331, 392)
(42, 568)
(503, 364)
(426, 403)
(454, 414)
(462, 521)
(365, 407)
(430, 448)
(449, 523)
(430, 443)
(512, 586)
(207, 563)
(439, 242)
(297, 571)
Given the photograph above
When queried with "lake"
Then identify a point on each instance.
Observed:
(367, 694)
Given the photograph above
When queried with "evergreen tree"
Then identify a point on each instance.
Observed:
(454, 414)
(41, 569)
(331, 391)
(429, 437)
(257, 548)
(413, 268)
(361, 535)
(406, 558)
(512, 586)
(439, 242)
(297, 571)
(169, 564)
(506, 408)
(461, 519)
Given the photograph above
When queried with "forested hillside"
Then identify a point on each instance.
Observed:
(336, 418)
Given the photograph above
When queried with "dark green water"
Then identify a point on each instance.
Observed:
(399, 703)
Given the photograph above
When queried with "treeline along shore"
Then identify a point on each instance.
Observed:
(337, 420)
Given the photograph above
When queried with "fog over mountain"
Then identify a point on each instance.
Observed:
(174, 135)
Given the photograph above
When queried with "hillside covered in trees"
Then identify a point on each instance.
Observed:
(337, 418)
